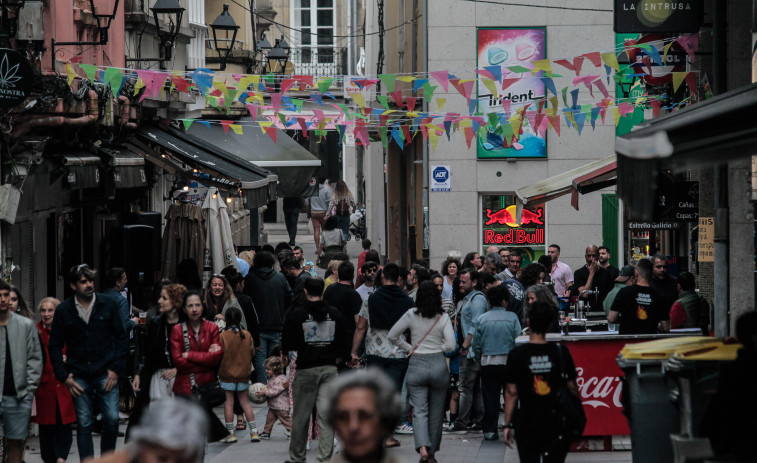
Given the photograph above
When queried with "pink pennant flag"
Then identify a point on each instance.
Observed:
(276, 101)
(601, 86)
(691, 83)
(397, 97)
(554, 122)
(410, 102)
(567, 65)
(226, 125)
(361, 133)
(508, 82)
(442, 77)
(319, 117)
(253, 109)
(303, 126)
(506, 103)
(625, 108)
(237, 77)
(469, 134)
(594, 57)
(286, 84)
(655, 103)
(485, 73)
(406, 132)
(690, 43)
(303, 79)
(147, 79)
(542, 127)
(463, 88)
(271, 132)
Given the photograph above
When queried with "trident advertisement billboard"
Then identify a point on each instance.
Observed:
(506, 48)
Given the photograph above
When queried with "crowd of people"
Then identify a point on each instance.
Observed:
(444, 341)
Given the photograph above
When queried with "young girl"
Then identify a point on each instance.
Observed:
(234, 373)
(277, 392)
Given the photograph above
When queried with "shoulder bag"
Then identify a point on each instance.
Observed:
(570, 412)
(424, 337)
(210, 393)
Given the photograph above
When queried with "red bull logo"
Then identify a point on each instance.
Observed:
(507, 215)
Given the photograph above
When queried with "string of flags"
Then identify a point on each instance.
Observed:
(276, 102)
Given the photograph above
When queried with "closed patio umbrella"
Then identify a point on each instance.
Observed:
(183, 238)
(219, 245)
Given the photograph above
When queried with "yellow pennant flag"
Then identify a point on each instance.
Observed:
(553, 105)
(138, 86)
(515, 123)
(359, 99)
(412, 114)
(489, 84)
(542, 65)
(678, 78)
(406, 78)
(440, 102)
(665, 51)
(244, 82)
(236, 128)
(615, 115)
(434, 138)
(571, 118)
(70, 72)
(611, 60)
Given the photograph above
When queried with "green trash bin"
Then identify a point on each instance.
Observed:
(652, 417)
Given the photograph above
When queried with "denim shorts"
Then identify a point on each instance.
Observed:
(15, 416)
(235, 386)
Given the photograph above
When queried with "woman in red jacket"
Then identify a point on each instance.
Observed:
(201, 360)
(55, 407)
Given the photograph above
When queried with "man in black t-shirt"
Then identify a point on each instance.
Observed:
(638, 307)
(342, 296)
(665, 285)
(591, 276)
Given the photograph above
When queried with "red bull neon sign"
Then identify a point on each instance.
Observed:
(501, 227)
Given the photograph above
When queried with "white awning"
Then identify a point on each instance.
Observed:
(590, 177)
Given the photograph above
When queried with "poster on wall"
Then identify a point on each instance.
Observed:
(500, 226)
(510, 46)
(440, 178)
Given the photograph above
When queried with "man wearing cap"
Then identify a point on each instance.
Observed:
(625, 278)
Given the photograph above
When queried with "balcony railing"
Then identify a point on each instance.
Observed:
(319, 61)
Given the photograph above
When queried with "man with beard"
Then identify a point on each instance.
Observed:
(90, 329)
(368, 271)
(665, 285)
(604, 262)
(317, 332)
(560, 273)
(592, 276)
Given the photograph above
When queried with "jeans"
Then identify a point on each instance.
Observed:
(394, 368)
(291, 216)
(107, 401)
(471, 403)
(492, 384)
(268, 339)
(308, 391)
(343, 222)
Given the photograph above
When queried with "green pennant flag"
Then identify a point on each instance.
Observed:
(518, 69)
(298, 104)
(382, 133)
(389, 80)
(428, 92)
(324, 84)
(493, 119)
(270, 78)
(383, 100)
(564, 96)
(282, 118)
(187, 123)
(213, 101)
(89, 71)
(115, 78)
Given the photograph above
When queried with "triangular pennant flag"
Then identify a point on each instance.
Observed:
(286, 84)
(611, 59)
(203, 79)
(550, 84)
(518, 69)
(298, 104)
(324, 83)
(389, 80)
(508, 82)
(115, 78)
(594, 115)
(442, 77)
(440, 102)
(359, 99)
(656, 104)
(138, 86)
(542, 65)
(554, 122)
(690, 44)
(398, 136)
(601, 86)
(419, 83)
(383, 100)
(428, 91)
(276, 101)
(406, 78)
(383, 135)
(566, 64)
(226, 125)
(70, 73)
(654, 54)
(397, 97)
(495, 71)
(434, 139)
(564, 92)
(594, 57)
(317, 97)
(282, 118)
(574, 97)
(89, 71)
(181, 84)
(271, 132)
(490, 85)
(304, 127)
(691, 83)
(580, 121)
(187, 123)
(678, 77)
(406, 133)
(469, 135)
(410, 102)
(237, 128)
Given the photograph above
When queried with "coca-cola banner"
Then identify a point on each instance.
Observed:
(599, 386)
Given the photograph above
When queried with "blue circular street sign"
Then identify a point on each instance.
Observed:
(441, 174)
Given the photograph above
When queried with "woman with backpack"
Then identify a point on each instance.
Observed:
(342, 204)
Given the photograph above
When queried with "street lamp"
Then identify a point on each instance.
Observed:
(224, 23)
(280, 54)
(170, 12)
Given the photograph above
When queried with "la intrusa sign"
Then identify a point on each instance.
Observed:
(658, 16)
(15, 78)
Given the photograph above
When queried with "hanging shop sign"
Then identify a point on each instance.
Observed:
(501, 227)
(658, 16)
(15, 78)
(514, 47)
(677, 201)
(706, 240)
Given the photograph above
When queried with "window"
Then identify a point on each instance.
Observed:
(315, 22)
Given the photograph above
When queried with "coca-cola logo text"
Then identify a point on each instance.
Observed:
(599, 392)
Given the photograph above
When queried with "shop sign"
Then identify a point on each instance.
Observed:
(440, 178)
(15, 78)
(658, 16)
(653, 225)
(706, 240)
(501, 227)
(677, 202)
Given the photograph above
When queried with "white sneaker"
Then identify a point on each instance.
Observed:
(404, 428)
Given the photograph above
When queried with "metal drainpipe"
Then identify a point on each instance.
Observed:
(425, 231)
(721, 298)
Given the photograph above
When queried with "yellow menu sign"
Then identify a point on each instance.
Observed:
(706, 248)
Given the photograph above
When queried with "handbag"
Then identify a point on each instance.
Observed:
(570, 411)
(424, 337)
(210, 393)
